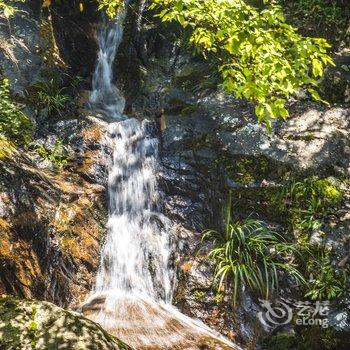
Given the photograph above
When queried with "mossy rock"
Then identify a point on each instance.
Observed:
(281, 341)
(309, 338)
(176, 106)
(26, 324)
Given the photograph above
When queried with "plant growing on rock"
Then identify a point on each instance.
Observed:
(327, 281)
(262, 58)
(250, 253)
(48, 95)
(57, 155)
(14, 124)
(7, 8)
(308, 202)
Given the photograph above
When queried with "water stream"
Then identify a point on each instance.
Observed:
(133, 291)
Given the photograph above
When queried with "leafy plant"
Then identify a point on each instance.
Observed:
(249, 253)
(110, 6)
(33, 328)
(47, 95)
(326, 281)
(7, 148)
(57, 155)
(199, 294)
(308, 202)
(14, 124)
(7, 8)
(262, 58)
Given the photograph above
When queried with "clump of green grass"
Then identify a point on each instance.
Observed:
(250, 253)
(48, 95)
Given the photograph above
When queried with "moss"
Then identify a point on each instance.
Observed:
(198, 77)
(246, 169)
(199, 294)
(307, 137)
(300, 204)
(189, 110)
(27, 324)
(176, 106)
(219, 298)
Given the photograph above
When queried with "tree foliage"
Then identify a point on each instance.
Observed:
(8, 7)
(110, 6)
(262, 58)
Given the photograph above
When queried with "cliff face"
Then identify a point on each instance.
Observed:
(51, 223)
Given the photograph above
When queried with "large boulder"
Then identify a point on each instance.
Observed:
(26, 324)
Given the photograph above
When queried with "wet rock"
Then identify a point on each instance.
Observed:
(145, 324)
(53, 218)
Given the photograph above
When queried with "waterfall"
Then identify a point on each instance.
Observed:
(136, 251)
(133, 291)
(134, 258)
(105, 96)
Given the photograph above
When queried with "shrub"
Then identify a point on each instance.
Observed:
(7, 8)
(14, 124)
(327, 281)
(308, 202)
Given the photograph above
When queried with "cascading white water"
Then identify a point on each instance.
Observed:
(133, 292)
(137, 240)
(136, 252)
(105, 96)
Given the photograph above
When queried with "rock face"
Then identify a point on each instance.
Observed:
(52, 219)
(39, 43)
(44, 326)
(212, 142)
(52, 200)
